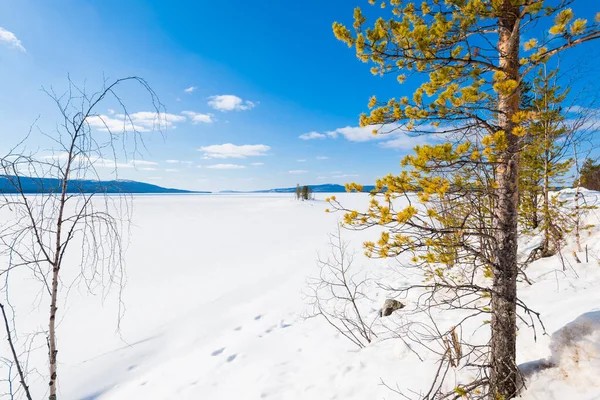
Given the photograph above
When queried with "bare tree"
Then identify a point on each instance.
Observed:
(337, 294)
(66, 216)
(15, 361)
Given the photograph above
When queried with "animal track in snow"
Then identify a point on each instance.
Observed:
(217, 352)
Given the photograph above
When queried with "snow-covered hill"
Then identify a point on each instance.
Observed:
(215, 304)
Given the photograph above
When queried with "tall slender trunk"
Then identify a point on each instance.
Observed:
(503, 374)
(546, 207)
(577, 193)
(56, 264)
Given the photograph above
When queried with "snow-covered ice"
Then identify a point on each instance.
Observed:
(215, 303)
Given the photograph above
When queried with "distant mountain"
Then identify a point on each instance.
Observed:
(33, 185)
(326, 188)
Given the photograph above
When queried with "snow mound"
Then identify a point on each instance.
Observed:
(578, 343)
(572, 369)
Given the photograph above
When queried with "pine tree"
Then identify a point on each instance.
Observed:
(305, 193)
(469, 53)
(298, 191)
(544, 159)
(590, 175)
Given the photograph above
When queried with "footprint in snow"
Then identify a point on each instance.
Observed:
(217, 352)
(259, 316)
(231, 357)
(284, 325)
(239, 328)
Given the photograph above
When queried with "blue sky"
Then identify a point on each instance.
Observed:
(260, 77)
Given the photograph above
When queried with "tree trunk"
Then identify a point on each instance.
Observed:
(52, 350)
(577, 192)
(546, 208)
(535, 219)
(503, 374)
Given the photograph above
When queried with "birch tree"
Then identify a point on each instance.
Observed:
(65, 216)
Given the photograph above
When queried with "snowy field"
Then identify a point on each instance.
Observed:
(215, 305)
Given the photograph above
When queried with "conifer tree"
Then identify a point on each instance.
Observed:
(590, 174)
(470, 56)
(544, 158)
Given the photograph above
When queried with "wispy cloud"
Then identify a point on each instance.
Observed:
(298, 171)
(312, 135)
(171, 170)
(143, 162)
(99, 162)
(226, 166)
(346, 176)
(172, 161)
(10, 39)
(198, 118)
(229, 150)
(257, 164)
(301, 160)
(405, 142)
(229, 102)
(391, 136)
(322, 158)
(191, 89)
(141, 121)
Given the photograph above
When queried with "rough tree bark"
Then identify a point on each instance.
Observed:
(503, 374)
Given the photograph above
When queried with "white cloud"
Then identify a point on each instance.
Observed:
(298, 171)
(151, 119)
(179, 162)
(229, 150)
(110, 111)
(99, 162)
(143, 162)
(9, 38)
(106, 123)
(311, 135)
(321, 177)
(322, 158)
(226, 166)
(358, 133)
(346, 176)
(171, 170)
(405, 142)
(392, 136)
(301, 160)
(191, 89)
(141, 121)
(229, 102)
(257, 164)
(198, 118)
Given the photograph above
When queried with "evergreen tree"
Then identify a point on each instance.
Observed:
(305, 192)
(590, 175)
(470, 54)
(544, 159)
(298, 192)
